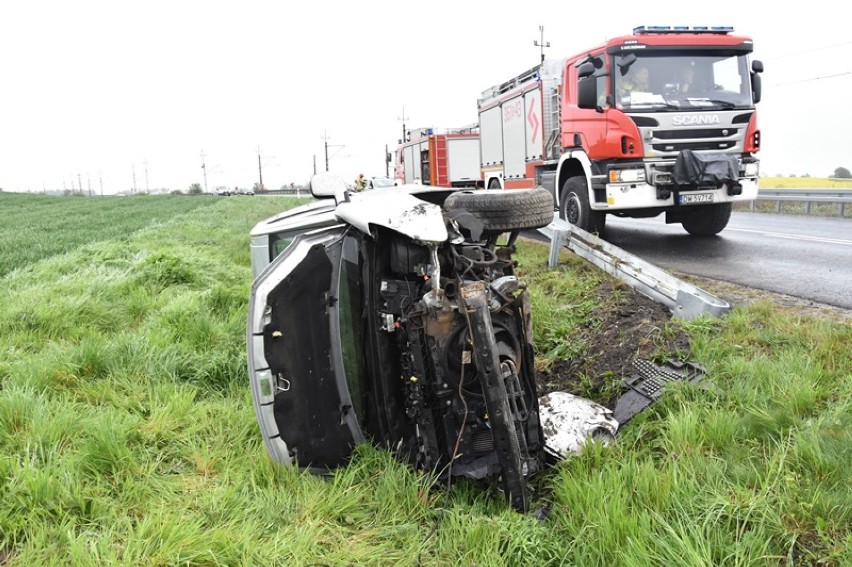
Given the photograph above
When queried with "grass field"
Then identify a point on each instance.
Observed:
(804, 183)
(128, 436)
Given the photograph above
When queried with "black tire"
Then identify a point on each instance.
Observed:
(504, 211)
(494, 184)
(707, 220)
(574, 206)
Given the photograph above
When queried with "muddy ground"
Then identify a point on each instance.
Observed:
(640, 328)
(635, 329)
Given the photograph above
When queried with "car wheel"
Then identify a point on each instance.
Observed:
(503, 211)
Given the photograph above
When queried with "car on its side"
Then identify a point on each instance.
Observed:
(394, 316)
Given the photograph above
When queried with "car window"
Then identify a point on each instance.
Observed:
(349, 313)
(279, 243)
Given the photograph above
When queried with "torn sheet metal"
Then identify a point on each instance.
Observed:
(569, 421)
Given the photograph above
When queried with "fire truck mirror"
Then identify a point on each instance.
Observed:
(755, 88)
(586, 70)
(587, 92)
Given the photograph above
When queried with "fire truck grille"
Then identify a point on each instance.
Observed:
(693, 146)
(693, 134)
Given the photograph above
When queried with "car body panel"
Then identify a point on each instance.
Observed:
(399, 211)
(301, 401)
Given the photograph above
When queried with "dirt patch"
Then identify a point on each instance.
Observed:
(639, 328)
(634, 327)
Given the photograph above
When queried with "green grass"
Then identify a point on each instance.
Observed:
(128, 435)
(37, 226)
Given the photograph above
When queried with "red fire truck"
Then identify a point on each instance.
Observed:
(442, 159)
(660, 121)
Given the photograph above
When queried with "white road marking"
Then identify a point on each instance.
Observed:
(761, 232)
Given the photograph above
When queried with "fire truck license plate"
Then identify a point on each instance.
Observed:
(694, 198)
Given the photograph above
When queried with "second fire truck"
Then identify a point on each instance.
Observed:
(440, 158)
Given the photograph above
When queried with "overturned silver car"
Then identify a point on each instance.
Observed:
(394, 316)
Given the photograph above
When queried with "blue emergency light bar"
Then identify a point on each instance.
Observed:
(682, 29)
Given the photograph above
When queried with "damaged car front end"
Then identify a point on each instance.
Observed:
(395, 316)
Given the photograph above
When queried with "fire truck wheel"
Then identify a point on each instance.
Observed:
(707, 220)
(505, 211)
(494, 184)
(574, 206)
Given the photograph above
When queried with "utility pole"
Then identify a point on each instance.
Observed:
(259, 171)
(145, 163)
(134, 177)
(89, 183)
(338, 146)
(403, 118)
(80, 183)
(101, 179)
(204, 170)
(325, 141)
(315, 164)
(543, 44)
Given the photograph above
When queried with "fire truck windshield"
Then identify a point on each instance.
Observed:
(664, 80)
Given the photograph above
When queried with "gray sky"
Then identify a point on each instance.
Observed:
(92, 91)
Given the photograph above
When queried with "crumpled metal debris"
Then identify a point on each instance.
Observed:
(569, 421)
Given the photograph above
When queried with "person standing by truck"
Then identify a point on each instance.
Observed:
(360, 183)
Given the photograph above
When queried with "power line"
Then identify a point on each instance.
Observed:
(809, 51)
(812, 79)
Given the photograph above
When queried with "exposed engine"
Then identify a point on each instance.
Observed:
(465, 385)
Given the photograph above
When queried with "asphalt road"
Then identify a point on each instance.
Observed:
(804, 256)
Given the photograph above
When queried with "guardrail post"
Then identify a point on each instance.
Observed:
(778, 206)
(808, 206)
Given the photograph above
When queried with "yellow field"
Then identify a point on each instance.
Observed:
(804, 183)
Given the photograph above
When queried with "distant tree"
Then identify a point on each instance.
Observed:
(806, 175)
(195, 189)
(257, 188)
(176, 192)
(842, 173)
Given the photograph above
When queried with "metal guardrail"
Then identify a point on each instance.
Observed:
(808, 196)
(685, 300)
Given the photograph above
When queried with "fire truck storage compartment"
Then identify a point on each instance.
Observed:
(463, 159)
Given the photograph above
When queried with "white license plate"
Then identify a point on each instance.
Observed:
(695, 198)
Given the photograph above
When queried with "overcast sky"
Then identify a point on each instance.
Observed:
(92, 92)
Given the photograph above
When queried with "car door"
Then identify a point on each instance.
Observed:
(297, 361)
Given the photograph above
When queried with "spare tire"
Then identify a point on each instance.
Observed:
(504, 211)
